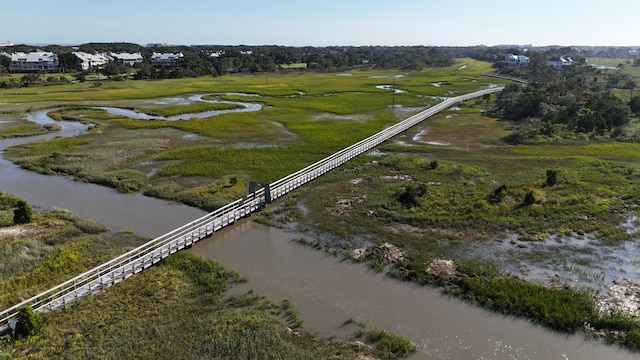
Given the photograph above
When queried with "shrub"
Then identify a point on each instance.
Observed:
(411, 194)
(22, 214)
(29, 323)
(552, 178)
(498, 194)
(529, 198)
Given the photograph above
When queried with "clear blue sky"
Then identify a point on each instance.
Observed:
(323, 23)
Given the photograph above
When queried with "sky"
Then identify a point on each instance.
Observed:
(323, 22)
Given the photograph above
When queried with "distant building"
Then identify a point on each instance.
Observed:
(91, 61)
(217, 53)
(516, 60)
(165, 59)
(559, 62)
(5, 43)
(127, 59)
(36, 61)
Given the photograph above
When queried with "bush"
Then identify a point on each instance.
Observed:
(552, 178)
(22, 214)
(529, 198)
(498, 194)
(29, 323)
(410, 195)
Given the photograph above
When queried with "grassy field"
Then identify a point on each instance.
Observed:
(306, 117)
(293, 66)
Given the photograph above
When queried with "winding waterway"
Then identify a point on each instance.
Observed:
(243, 107)
(325, 290)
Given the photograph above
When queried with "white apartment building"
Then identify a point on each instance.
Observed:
(89, 61)
(127, 58)
(516, 60)
(559, 62)
(165, 59)
(36, 61)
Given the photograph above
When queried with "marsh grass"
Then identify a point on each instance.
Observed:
(38, 263)
(565, 310)
(28, 129)
(59, 146)
(308, 116)
(55, 246)
(125, 181)
(595, 181)
(390, 345)
(229, 127)
(86, 225)
(175, 310)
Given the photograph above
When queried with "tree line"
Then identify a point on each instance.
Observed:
(580, 101)
(214, 60)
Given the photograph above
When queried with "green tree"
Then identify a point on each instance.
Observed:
(529, 198)
(634, 105)
(22, 214)
(29, 79)
(68, 61)
(552, 178)
(146, 71)
(114, 68)
(29, 323)
(5, 61)
(3, 71)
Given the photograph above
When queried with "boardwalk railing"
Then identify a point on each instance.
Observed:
(159, 248)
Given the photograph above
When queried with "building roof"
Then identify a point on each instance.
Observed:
(36, 56)
(91, 57)
(166, 56)
(127, 56)
(560, 59)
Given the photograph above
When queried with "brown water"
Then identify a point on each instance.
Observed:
(325, 290)
(144, 215)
